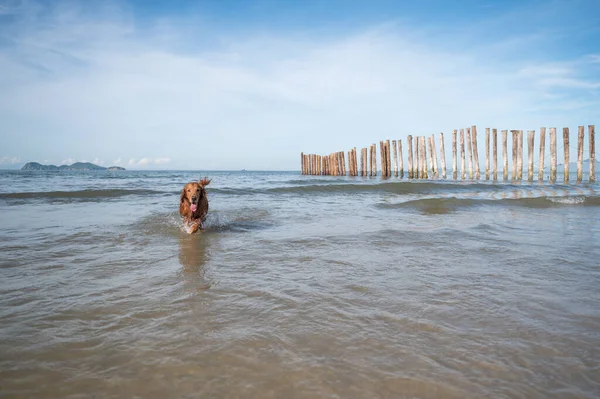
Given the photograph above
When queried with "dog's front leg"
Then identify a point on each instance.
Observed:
(195, 227)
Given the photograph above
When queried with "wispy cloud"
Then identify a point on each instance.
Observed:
(9, 160)
(255, 100)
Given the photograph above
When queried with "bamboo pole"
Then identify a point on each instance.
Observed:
(388, 157)
(495, 153)
(463, 172)
(431, 165)
(591, 132)
(410, 157)
(470, 153)
(363, 155)
(333, 164)
(351, 173)
(567, 155)
(424, 147)
(580, 154)
(515, 147)
(475, 152)
(520, 156)
(319, 165)
(401, 160)
(487, 153)
(434, 155)
(454, 161)
(542, 151)
(552, 155)
(382, 157)
(374, 160)
(442, 156)
(417, 160)
(504, 155)
(302, 163)
(530, 143)
(370, 160)
(420, 148)
(307, 164)
(395, 154)
(354, 162)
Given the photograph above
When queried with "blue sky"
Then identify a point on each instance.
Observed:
(242, 84)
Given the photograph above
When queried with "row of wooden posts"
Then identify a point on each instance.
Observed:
(424, 163)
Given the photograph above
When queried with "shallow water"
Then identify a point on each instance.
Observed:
(299, 286)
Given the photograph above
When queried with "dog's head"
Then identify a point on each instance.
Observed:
(193, 194)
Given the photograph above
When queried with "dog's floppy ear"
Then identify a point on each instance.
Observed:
(204, 182)
(184, 205)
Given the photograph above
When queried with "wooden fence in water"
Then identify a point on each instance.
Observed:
(423, 163)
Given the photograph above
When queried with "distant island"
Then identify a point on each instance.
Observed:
(76, 166)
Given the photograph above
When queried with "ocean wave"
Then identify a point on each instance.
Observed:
(450, 204)
(88, 194)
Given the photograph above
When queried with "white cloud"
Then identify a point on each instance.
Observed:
(68, 161)
(256, 101)
(162, 161)
(7, 160)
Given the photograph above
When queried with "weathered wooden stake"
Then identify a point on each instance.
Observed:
(431, 166)
(442, 156)
(542, 151)
(395, 154)
(350, 171)
(302, 163)
(382, 157)
(435, 161)
(371, 160)
(530, 143)
(388, 155)
(591, 132)
(567, 155)
(504, 155)
(470, 153)
(495, 153)
(580, 154)
(552, 155)
(520, 156)
(374, 159)
(401, 159)
(410, 157)
(515, 148)
(463, 172)
(475, 152)
(454, 162)
(424, 149)
(487, 153)
(363, 153)
(417, 164)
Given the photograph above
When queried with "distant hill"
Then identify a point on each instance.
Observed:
(573, 166)
(75, 166)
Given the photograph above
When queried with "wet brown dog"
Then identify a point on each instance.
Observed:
(193, 206)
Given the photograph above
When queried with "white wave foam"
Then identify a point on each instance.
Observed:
(567, 200)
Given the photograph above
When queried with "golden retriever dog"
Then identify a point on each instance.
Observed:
(193, 205)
